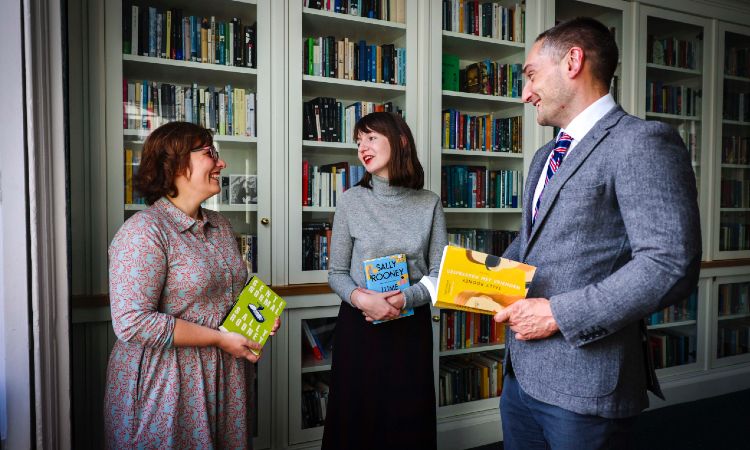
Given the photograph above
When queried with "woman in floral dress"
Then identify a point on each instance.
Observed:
(174, 380)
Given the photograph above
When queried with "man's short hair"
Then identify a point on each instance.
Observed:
(592, 36)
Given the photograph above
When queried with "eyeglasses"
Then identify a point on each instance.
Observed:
(212, 152)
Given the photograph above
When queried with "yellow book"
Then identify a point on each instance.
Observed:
(128, 176)
(477, 282)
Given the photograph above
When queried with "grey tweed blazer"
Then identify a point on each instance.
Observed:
(617, 237)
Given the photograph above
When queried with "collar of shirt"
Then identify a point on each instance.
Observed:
(585, 121)
(182, 220)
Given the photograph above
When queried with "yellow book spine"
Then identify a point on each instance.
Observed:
(128, 176)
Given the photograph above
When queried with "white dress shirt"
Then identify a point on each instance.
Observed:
(577, 129)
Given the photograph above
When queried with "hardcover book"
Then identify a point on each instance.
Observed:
(254, 312)
(477, 282)
(388, 273)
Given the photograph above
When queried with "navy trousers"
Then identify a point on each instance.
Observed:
(529, 424)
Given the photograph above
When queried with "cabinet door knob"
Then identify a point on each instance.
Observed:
(436, 318)
(265, 220)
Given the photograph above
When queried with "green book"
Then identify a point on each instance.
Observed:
(450, 72)
(254, 312)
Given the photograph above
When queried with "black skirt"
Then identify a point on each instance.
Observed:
(382, 392)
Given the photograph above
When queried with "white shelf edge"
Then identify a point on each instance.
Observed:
(482, 210)
(354, 83)
(353, 18)
(324, 144)
(478, 348)
(735, 166)
(232, 208)
(736, 78)
(318, 209)
(672, 116)
(482, 153)
(735, 122)
(474, 38)
(673, 69)
(134, 207)
(682, 323)
(189, 64)
(734, 209)
(733, 316)
(485, 97)
(135, 135)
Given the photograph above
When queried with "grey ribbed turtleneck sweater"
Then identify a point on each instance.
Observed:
(382, 221)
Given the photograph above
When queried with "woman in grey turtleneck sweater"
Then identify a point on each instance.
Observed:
(381, 393)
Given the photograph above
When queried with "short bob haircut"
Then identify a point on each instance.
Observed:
(404, 169)
(166, 154)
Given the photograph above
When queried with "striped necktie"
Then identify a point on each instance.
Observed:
(555, 160)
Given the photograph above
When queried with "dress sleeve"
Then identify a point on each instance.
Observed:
(138, 264)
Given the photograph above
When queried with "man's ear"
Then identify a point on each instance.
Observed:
(574, 61)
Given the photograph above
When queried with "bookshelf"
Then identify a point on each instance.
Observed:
(731, 311)
(316, 36)
(731, 221)
(674, 83)
(675, 334)
(479, 136)
(149, 84)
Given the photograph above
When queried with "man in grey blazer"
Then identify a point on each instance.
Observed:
(610, 220)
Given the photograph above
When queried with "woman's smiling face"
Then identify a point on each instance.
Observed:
(374, 151)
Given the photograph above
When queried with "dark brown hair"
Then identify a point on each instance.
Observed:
(593, 37)
(404, 169)
(166, 154)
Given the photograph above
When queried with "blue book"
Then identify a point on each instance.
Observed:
(388, 273)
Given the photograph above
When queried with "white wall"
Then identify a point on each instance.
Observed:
(15, 376)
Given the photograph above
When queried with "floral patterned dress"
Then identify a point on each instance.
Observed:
(165, 265)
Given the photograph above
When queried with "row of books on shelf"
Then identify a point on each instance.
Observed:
(470, 377)
(461, 329)
(482, 77)
(488, 19)
(345, 59)
(673, 347)
(323, 184)
(681, 312)
(670, 51)
(734, 298)
(462, 131)
(734, 235)
(325, 119)
(679, 100)
(316, 237)
(479, 187)
(314, 399)
(168, 33)
(492, 242)
(735, 150)
(737, 61)
(733, 339)
(390, 10)
(735, 193)
(225, 110)
(248, 245)
(736, 106)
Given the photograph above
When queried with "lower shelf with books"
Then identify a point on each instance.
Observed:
(470, 377)
(673, 334)
(311, 340)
